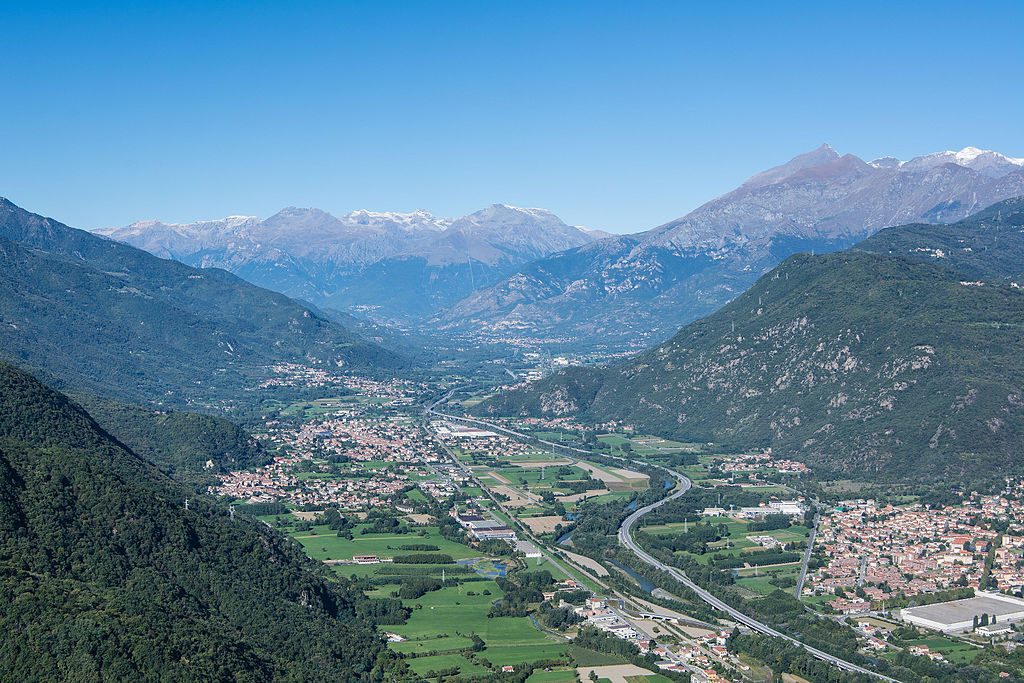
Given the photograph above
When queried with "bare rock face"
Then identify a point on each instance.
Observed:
(641, 288)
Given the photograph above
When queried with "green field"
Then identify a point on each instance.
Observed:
(953, 650)
(562, 675)
(761, 584)
(421, 665)
(607, 497)
(735, 544)
(451, 612)
(325, 544)
(556, 436)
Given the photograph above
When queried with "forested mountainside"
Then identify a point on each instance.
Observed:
(107, 318)
(878, 364)
(104, 575)
(189, 447)
(644, 287)
(985, 247)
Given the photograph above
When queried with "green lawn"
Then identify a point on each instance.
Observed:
(565, 675)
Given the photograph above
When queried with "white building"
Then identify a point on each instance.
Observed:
(959, 615)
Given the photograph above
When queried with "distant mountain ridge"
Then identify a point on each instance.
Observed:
(898, 357)
(109, 319)
(422, 262)
(641, 287)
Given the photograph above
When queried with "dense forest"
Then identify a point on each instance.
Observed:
(105, 575)
(188, 446)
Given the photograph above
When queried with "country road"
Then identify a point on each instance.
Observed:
(807, 557)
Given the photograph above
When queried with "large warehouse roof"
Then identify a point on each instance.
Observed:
(964, 610)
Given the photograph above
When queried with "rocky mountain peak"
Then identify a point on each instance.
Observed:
(821, 155)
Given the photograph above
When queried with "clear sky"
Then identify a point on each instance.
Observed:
(618, 116)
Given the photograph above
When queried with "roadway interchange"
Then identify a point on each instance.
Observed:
(626, 539)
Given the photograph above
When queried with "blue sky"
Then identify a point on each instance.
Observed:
(618, 116)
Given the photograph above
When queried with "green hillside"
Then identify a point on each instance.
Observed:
(109, 319)
(987, 246)
(105, 576)
(858, 363)
(188, 446)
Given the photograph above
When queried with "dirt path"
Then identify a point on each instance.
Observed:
(590, 563)
(599, 474)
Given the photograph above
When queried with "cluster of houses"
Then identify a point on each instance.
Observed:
(278, 482)
(299, 375)
(348, 432)
(915, 549)
(753, 462)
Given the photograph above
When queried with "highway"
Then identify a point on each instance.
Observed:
(626, 539)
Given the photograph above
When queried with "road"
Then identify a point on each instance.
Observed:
(807, 556)
(626, 539)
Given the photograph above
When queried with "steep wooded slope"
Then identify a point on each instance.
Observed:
(105, 576)
(107, 318)
(857, 362)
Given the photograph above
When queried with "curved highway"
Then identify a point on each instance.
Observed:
(626, 539)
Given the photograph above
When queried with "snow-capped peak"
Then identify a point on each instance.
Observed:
(412, 221)
(984, 161)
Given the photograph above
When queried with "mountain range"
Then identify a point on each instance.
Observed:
(642, 287)
(505, 271)
(394, 267)
(899, 357)
(97, 316)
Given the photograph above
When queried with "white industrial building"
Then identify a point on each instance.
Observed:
(959, 615)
